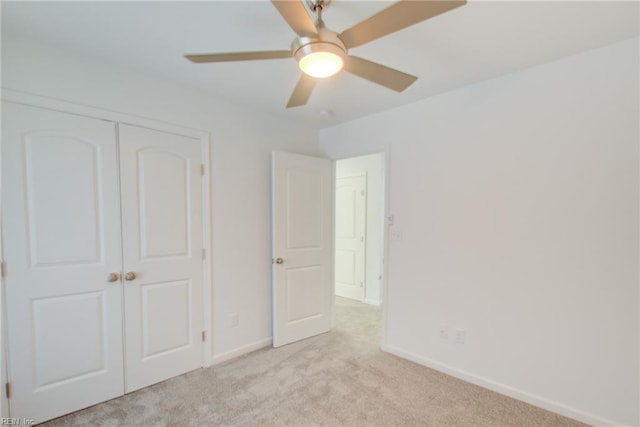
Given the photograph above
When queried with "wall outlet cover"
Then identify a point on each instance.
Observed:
(235, 320)
(444, 332)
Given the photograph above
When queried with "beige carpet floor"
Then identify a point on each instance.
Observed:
(337, 379)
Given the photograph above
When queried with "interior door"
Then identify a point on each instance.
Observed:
(62, 248)
(161, 187)
(302, 247)
(350, 236)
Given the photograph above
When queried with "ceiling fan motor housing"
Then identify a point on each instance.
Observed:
(326, 41)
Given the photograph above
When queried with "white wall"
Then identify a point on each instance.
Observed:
(518, 203)
(242, 141)
(373, 166)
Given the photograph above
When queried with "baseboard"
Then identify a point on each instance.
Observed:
(372, 302)
(227, 355)
(504, 389)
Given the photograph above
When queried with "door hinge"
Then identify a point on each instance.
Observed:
(9, 390)
(3, 268)
(202, 169)
(204, 335)
(204, 254)
(362, 193)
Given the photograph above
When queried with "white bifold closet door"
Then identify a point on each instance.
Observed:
(77, 219)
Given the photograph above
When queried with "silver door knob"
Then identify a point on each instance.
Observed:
(130, 276)
(279, 261)
(113, 277)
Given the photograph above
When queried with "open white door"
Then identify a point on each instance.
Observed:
(302, 246)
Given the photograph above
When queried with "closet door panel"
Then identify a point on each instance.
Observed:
(62, 242)
(161, 189)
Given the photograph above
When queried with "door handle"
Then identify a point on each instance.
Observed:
(279, 261)
(130, 276)
(113, 277)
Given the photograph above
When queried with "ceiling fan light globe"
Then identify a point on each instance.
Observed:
(319, 57)
(321, 64)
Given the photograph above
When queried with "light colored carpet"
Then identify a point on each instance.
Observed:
(337, 379)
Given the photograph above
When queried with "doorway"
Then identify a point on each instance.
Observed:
(359, 228)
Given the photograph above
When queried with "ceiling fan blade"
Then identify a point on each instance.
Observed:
(384, 76)
(302, 91)
(238, 56)
(396, 17)
(294, 12)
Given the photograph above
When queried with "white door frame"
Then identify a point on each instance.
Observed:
(386, 150)
(17, 97)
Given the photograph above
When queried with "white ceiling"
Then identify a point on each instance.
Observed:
(475, 42)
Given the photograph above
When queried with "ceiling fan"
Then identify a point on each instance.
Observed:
(321, 52)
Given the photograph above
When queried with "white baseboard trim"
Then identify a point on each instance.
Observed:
(504, 389)
(373, 302)
(227, 355)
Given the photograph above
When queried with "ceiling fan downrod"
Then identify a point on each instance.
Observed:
(317, 6)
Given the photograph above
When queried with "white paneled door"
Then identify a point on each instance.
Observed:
(162, 241)
(302, 247)
(103, 243)
(62, 247)
(350, 236)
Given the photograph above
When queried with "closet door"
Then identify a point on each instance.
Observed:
(62, 247)
(161, 188)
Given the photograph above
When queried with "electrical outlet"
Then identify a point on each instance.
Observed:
(460, 336)
(444, 332)
(235, 320)
(396, 235)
